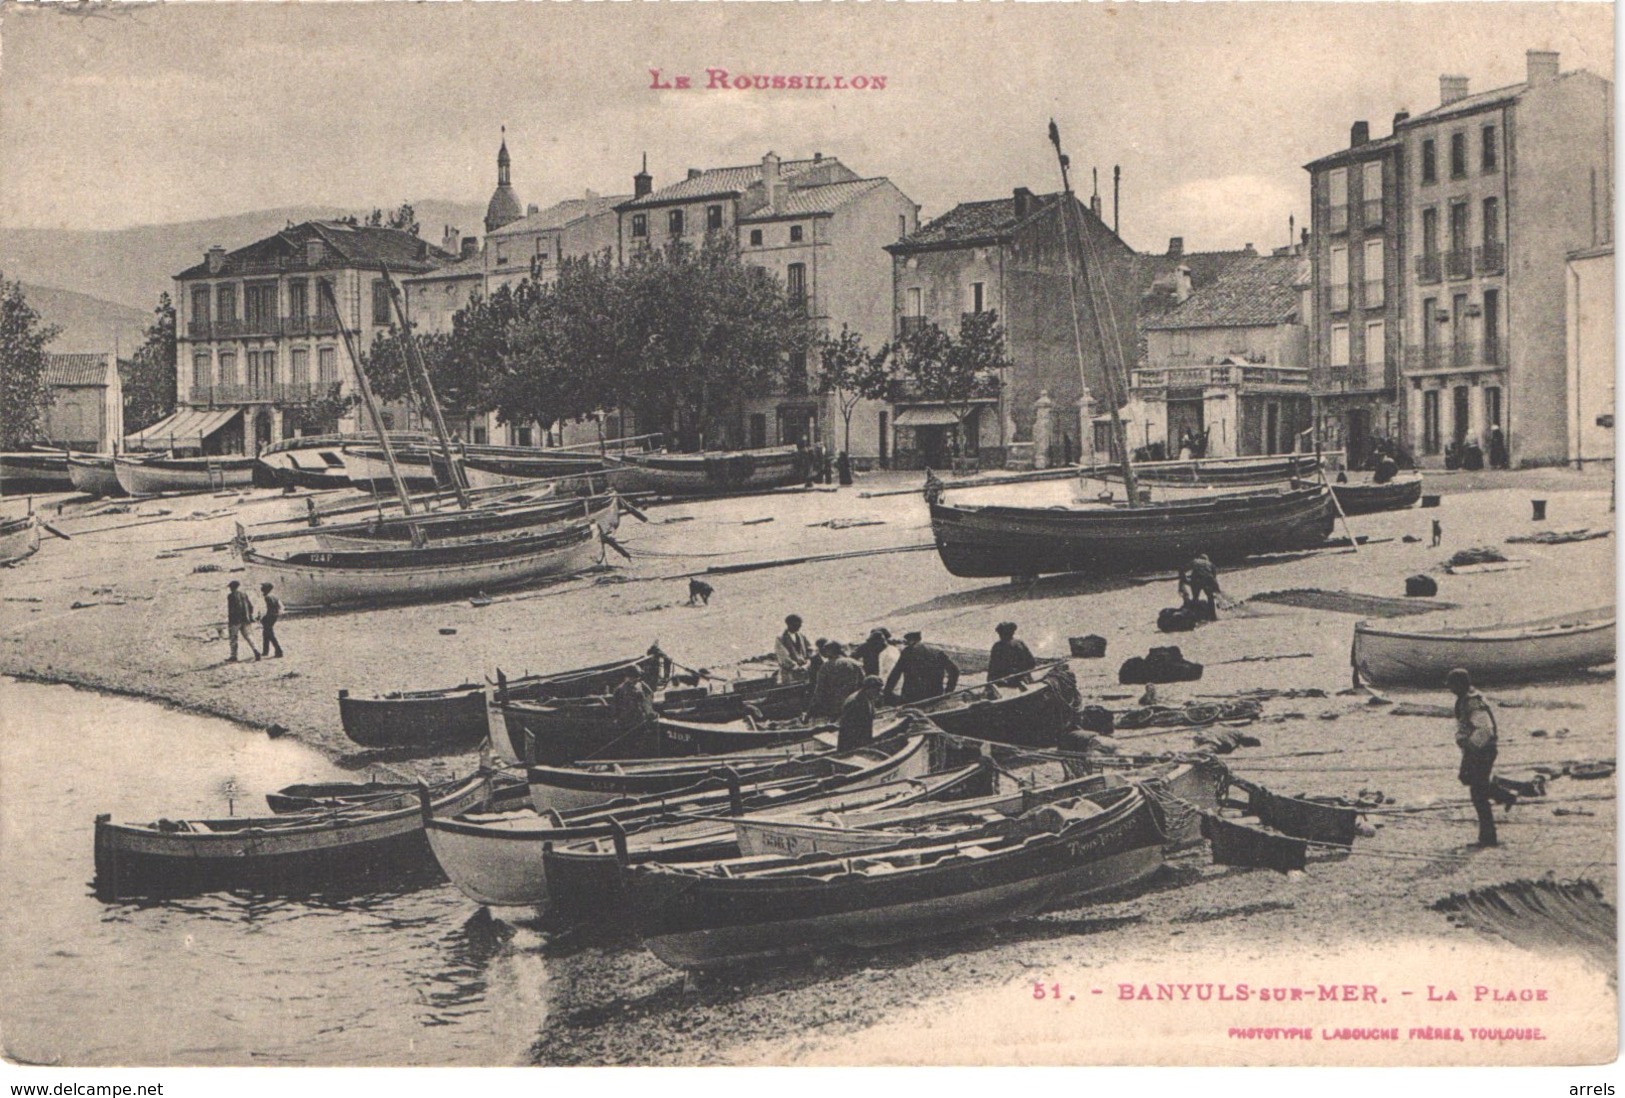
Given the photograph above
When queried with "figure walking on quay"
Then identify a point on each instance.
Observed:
(1476, 736)
(239, 616)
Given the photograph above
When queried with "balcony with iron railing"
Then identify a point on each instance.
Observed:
(1492, 258)
(1371, 213)
(908, 325)
(293, 392)
(1373, 294)
(1337, 298)
(262, 327)
(1250, 376)
(1458, 263)
(1338, 219)
(1429, 266)
(1467, 354)
(1366, 377)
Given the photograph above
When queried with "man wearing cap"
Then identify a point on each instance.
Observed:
(792, 651)
(926, 672)
(239, 613)
(632, 705)
(268, 620)
(1010, 659)
(1476, 736)
(838, 677)
(857, 728)
(869, 652)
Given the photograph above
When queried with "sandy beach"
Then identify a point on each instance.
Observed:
(114, 609)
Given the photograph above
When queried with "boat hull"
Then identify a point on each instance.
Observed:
(988, 541)
(449, 719)
(1389, 657)
(721, 472)
(317, 470)
(19, 539)
(93, 475)
(34, 471)
(452, 528)
(154, 476)
(367, 470)
(1364, 499)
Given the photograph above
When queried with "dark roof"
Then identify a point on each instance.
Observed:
(1355, 153)
(971, 223)
(1158, 280)
(344, 246)
(723, 181)
(503, 208)
(1469, 104)
(1250, 293)
(821, 198)
(561, 214)
(76, 369)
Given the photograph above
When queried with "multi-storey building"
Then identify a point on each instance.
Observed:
(1500, 188)
(1357, 250)
(534, 246)
(1010, 255)
(819, 227)
(256, 340)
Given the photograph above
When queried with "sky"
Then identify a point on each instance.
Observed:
(166, 112)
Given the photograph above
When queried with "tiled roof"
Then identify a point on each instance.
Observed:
(1468, 104)
(1250, 293)
(345, 246)
(722, 181)
(823, 198)
(561, 214)
(472, 267)
(76, 369)
(1355, 152)
(1157, 275)
(970, 221)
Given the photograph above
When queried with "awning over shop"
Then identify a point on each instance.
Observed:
(926, 416)
(185, 430)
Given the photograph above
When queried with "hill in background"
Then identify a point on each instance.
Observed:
(131, 267)
(89, 324)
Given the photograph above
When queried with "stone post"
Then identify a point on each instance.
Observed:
(1042, 427)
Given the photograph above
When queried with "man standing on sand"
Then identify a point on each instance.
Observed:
(926, 672)
(268, 620)
(239, 614)
(857, 728)
(1476, 736)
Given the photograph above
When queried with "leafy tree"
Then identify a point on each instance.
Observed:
(148, 376)
(24, 396)
(565, 347)
(403, 217)
(852, 372)
(956, 372)
(321, 416)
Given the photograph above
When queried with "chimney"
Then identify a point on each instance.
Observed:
(1182, 282)
(532, 209)
(643, 183)
(770, 179)
(1452, 88)
(1359, 134)
(818, 158)
(1249, 250)
(1094, 206)
(448, 238)
(1176, 247)
(470, 248)
(694, 173)
(1542, 66)
(217, 258)
(1303, 239)
(1400, 118)
(1024, 202)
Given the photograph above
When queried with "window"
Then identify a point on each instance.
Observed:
(380, 301)
(1492, 405)
(1492, 327)
(1337, 185)
(713, 218)
(268, 367)
(226, 302)
(1430, 231)
(1430, 163)
(916, 306)
(259, 306)
(481, 436)
(228, 368)
(1371, 180)
(1373, 273)
(756, 238)
(795, 234)
(326, 301)
(1492, 221)
(796, 380)
(521, 436)
(1459, 262)
(1340, 344)
(1182, 343)
(1489, 151)
(1374, 349)
(795, 284)
(200, 305)
(640, 224)
(298, 301)
(902, 226)
(251, 368)
(978, 297)
(1430, 307)
(299, 366)
(674, 222)
(200, 369)
(502, 261)
(1458, 156)
(1339, 282)
(327, 365)
(1430, 421)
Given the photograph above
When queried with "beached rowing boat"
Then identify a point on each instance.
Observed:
(93, 475)
(150, 476)
(1394, 495)
(19, 538)
(1518, 652)
(37, 470)
(474, 524)
(717, 471)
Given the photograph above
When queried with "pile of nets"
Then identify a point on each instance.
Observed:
(1192, 713)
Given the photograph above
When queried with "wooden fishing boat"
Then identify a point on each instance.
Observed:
(498, 859)
(977, 539)
(38, 471)
(1225, 472)
(586, 877)
(562, 788)
(366, 468)
(726, 912)
(150, 476)
(19, 538)
(93, 475)
(1518, 652)
(477, 523)
(690, 737)
(1395, 495)
(317, 469)
(370, 577)
(1030, 716)
(346, 847)
(456, 716)
(490, 466)
(717, 471)
(508, 792)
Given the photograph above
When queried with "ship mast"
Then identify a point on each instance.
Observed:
(454, 469)
(1111, 369)
(325, 289)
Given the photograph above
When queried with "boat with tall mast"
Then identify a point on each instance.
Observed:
(995, 531)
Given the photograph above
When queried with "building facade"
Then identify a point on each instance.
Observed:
(86, 412)
(1502, 186)
(1010, 255)
(534, 246)
(1590, 357)
(1357, 298)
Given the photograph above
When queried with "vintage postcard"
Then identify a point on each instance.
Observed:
(806, 534)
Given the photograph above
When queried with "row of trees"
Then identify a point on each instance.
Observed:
(680, 337)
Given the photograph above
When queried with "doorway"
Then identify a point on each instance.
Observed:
(262, 430)
(885, 441)
(758, 430)
(1357, 438)
(1458, 424)
(1185, 419)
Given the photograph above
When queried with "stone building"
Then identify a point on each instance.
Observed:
(1590, 357)
(86, 412)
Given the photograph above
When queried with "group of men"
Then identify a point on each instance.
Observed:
(240, 615)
